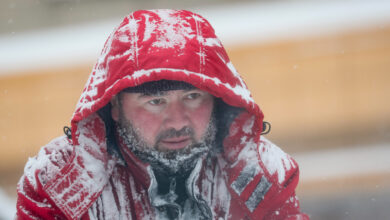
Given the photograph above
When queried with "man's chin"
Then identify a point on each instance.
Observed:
(180, 151)
(173, 161)
(178, 165)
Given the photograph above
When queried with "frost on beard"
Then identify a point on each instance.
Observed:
(168, 161)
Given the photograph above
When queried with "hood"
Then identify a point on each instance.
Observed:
(151, 45)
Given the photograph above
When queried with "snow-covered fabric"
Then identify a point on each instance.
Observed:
(78, 179)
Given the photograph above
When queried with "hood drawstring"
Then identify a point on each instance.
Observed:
(67, 132)
(266, 127)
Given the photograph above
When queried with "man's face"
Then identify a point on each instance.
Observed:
(167, 121)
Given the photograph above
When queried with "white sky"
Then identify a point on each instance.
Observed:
(344, 162)
(234, 24)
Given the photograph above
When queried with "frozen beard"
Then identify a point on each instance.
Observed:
(169, 162)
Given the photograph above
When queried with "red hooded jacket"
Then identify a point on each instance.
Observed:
(78, 179)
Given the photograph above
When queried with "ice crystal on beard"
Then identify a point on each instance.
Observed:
(168, 161)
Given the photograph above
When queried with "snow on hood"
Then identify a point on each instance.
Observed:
(151, 45)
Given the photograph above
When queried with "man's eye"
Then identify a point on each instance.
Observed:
(193, 95)
(156, 101)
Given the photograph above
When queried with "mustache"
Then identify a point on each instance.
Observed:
(173, 133)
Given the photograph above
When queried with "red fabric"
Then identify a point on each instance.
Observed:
(252, 179)
(193, 54)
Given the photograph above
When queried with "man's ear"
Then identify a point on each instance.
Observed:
(115, 108)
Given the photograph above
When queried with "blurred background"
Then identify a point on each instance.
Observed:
(320, 71)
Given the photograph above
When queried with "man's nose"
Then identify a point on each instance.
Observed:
(176, 116)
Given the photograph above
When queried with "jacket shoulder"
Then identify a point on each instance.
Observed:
(278, 164)
(49, 160)
(263, 178)
(32, 201)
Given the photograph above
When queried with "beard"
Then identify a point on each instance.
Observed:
(165, 161)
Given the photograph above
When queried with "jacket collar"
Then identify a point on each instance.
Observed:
(144, 173)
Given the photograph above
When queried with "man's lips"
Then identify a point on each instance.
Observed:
(175, 143)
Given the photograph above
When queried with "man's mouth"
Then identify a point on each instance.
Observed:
(175, 143)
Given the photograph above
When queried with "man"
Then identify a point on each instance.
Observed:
(164, 129)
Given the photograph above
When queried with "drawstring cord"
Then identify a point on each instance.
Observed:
(67, 132)
(266, 127)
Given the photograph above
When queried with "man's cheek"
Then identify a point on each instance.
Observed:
(202, 122)
(146, 121)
